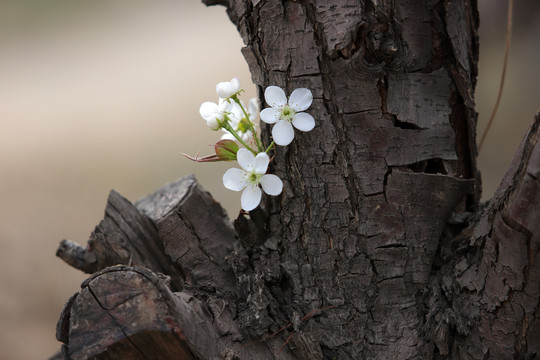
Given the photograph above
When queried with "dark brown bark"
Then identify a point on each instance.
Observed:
(377, 247)
(492, 287)
(368, 191)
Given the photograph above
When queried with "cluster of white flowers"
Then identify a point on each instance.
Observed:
(230, 115)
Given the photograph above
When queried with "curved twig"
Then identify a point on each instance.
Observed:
(501, 86)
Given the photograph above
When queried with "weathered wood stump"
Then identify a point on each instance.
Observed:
(123, 313)
(126, 312)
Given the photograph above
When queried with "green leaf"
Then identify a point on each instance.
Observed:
(226, 149)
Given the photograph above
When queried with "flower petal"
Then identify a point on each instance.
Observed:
(253, 108)
(235, 115)
(227, 89)
(228, 136)
(251, 197)
(247, 136)
(270, 115)
(224, 90)
(236, 83)
(212, 122)
(234, 179)
(261, 163)
(271, 184)
(283, 133)
(300, 99)
(207, 109)
(303, 121)
(275, 97)
(245, 159)
(224, 106)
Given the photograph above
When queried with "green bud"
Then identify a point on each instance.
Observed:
(226, 149)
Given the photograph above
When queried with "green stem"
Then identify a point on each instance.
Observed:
(269, 147)
(251, 126)
(229, 128)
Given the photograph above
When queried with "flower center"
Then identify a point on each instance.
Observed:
(253, 178)
(287, 113)
(243, 125)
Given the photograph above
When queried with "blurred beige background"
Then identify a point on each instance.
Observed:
(101, 95)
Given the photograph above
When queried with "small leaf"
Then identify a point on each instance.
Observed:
(226, 149)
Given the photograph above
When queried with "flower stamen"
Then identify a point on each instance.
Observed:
(287, 113)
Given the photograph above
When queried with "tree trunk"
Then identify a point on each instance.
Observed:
(377, 248)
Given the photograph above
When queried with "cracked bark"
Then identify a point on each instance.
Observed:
(377, 248)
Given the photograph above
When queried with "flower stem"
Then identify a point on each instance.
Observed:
(229, 128)
(251, 126)
(269, 147)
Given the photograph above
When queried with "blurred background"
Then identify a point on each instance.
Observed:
(101, 95)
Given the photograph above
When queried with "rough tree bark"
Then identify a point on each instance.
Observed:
(377, 248)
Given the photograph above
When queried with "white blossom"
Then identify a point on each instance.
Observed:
(286, 114)
(253, 109)
(214, 114)
(238, 122)
(227, 89)
(248, 179)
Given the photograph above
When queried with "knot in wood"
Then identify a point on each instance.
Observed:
(382, 42)
(388, 49)
(381, 46)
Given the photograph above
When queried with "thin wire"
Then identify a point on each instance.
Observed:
(501, 86)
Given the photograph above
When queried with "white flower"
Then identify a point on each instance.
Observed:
(253, 112)
(214, 114)
(287, 114)
(253, 109)
(248, 179)
(238, 122)
(235, 116)
(227, 89)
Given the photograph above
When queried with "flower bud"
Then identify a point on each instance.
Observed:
(213, 123)
(228, 88)
(214, 113)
